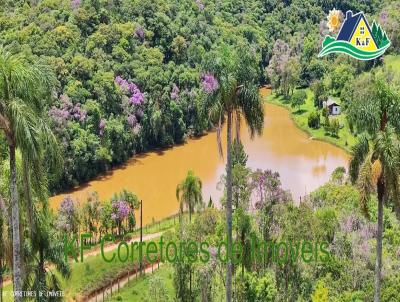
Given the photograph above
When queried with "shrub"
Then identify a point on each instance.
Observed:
(314, 120)
(298, 98)
(325, 112)
(334, 127)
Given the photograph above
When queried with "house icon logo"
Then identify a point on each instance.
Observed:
(355, 38)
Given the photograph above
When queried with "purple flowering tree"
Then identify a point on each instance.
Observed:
(102, 126)
(68, 218)
(139, 33)
(209, 83)
(132, 120)
(136, 100)
(200, 4)
(278, 64)
(268, 193)
(268, 189)
(389, 20)
(120, 212)
(136, 97)
(354, 241)
(75, 4)
(175, 92)
(67, 111)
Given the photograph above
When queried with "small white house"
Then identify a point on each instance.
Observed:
(333, 106)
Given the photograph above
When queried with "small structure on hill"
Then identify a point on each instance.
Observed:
(332, 106)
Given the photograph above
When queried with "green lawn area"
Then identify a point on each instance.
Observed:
(159, 226)
(300, 117)
(95, 272)
(7, 296)
(138, 290)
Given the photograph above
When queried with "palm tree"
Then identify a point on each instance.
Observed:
(188, 193)
(375, 162)
(23, 87)
(47, 252)
(234, 94)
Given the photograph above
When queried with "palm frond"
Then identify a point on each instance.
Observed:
(50, 145)
(24, 126)
(250, 103)
(359, 152)
(388, 150)
(365, 183)
(30, 82)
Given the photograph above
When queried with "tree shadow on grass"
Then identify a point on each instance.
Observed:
(299, 111)
(332, 135)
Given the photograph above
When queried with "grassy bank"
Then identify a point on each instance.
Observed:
(95, 272)
(159, 226)
(300, 117)
(140, 290)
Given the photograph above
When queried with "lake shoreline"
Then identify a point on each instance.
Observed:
(303, 165)
(270, 100)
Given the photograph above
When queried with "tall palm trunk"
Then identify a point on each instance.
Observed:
(3, 215)
(378, 264)
(28, 195)
(1, 279)
(15, 226)
(229, 208)
(190, 268)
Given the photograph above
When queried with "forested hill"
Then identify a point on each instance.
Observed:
(129, 71)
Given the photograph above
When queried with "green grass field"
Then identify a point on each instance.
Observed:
(139, 290)
(92, 272)
(95, 272)
(7, 293)
(300, 116)
(159, 226)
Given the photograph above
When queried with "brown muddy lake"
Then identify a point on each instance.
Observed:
(303, 164)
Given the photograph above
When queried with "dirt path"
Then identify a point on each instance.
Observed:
(96, 251)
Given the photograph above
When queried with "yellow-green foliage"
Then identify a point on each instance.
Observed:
(321, 293)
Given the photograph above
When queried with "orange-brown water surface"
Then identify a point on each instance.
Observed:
(303, 164)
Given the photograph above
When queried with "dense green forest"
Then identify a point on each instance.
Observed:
(158, 48)
(85, 85)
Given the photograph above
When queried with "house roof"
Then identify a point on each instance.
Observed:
(349, 26)
(331, 102)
